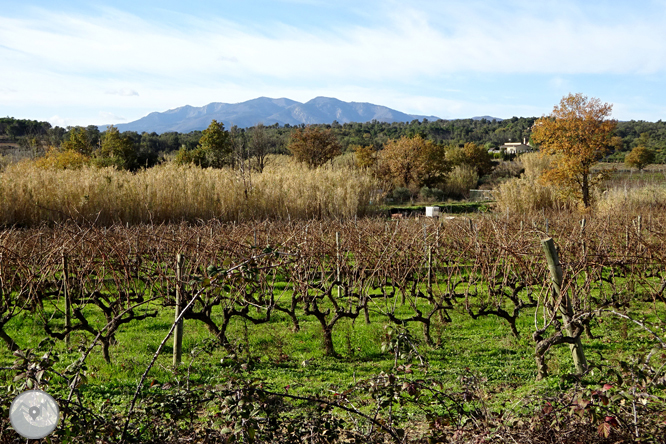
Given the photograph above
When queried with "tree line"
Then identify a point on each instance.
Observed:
(431, 159)
(488, 133)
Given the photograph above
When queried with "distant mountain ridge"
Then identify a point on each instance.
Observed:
(323, 110)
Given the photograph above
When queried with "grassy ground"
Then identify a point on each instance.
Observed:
(457, 207)
(272, 352)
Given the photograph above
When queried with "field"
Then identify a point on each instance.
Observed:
(30, 196)
(341, 330)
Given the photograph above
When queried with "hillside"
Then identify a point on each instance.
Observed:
(267, 111)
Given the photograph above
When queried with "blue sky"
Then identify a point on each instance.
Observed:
(82, 62)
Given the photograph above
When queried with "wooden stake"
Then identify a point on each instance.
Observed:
(337, 252)
(430, 269)
(68, 308)
(583, 243)
(577, 353)
(178, 332)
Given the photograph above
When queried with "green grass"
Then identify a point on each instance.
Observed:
(484, 346)
(461, 207)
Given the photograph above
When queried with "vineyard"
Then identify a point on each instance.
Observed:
(355, 330)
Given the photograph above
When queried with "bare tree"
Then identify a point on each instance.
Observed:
(261, 145)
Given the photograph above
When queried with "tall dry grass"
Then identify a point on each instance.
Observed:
(461, 179)
(527, 194)
(632, 200)
(168, 193)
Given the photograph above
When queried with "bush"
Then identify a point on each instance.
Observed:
(401, 194)
(507, 170)
(527, 194)
(4, 161)
(431, 194)
(62, 160)
(524, 195)
(461, 180)
(534, 164)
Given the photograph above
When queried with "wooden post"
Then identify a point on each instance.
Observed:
(577, 353)
(178, 331)
(430, 269)
(583, 243)
(337, 262)
(68, 308)
(639, 227)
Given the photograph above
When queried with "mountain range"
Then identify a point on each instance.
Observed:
(267, 111)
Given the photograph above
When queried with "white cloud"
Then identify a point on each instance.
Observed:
(61, 121)
(227, 59)
(410, 43)
(125, 92)
(97, 61)
(110, 117)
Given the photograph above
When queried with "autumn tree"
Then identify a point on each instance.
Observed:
(578, 133)
(639, 157)
(314, 146)
(616, 143)
(472, 155)
(364, 156)
(414, 162)
(62, 159)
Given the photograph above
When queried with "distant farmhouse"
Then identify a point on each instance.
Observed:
(517, 147)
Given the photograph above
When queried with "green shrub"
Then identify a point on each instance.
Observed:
(401, 194)
(431, 194)
(461, 180)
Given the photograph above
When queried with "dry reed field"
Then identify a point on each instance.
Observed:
(30, 196)
(620, 192)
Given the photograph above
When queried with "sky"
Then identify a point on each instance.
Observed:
(95, 63)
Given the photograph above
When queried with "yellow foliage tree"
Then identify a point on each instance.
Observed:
(314, 146)
(639, 157)
(62, 160)
(364, 156)
(413, 162)
(578, 133)
(473, 155)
